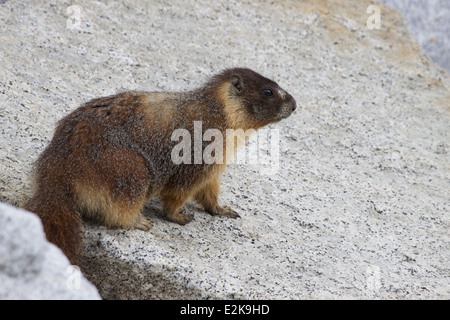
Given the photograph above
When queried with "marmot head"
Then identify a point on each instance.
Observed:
(254, 97)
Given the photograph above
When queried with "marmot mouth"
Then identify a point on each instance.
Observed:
(286, 111)
(281, 117)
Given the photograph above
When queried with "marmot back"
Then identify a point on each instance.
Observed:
(113, 154)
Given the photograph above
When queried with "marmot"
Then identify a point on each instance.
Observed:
(113, 154)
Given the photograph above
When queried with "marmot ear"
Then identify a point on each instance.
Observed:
(238, 84)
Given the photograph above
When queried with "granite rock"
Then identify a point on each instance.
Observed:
(33, 268)
(429, 23)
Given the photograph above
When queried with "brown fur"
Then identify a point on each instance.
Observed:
(113, 154)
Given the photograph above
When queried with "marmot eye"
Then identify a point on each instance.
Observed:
(267, 92)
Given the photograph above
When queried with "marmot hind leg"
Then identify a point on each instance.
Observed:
(116, 192)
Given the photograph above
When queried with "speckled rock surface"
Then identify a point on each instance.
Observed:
(359, 205)
(429, 23)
